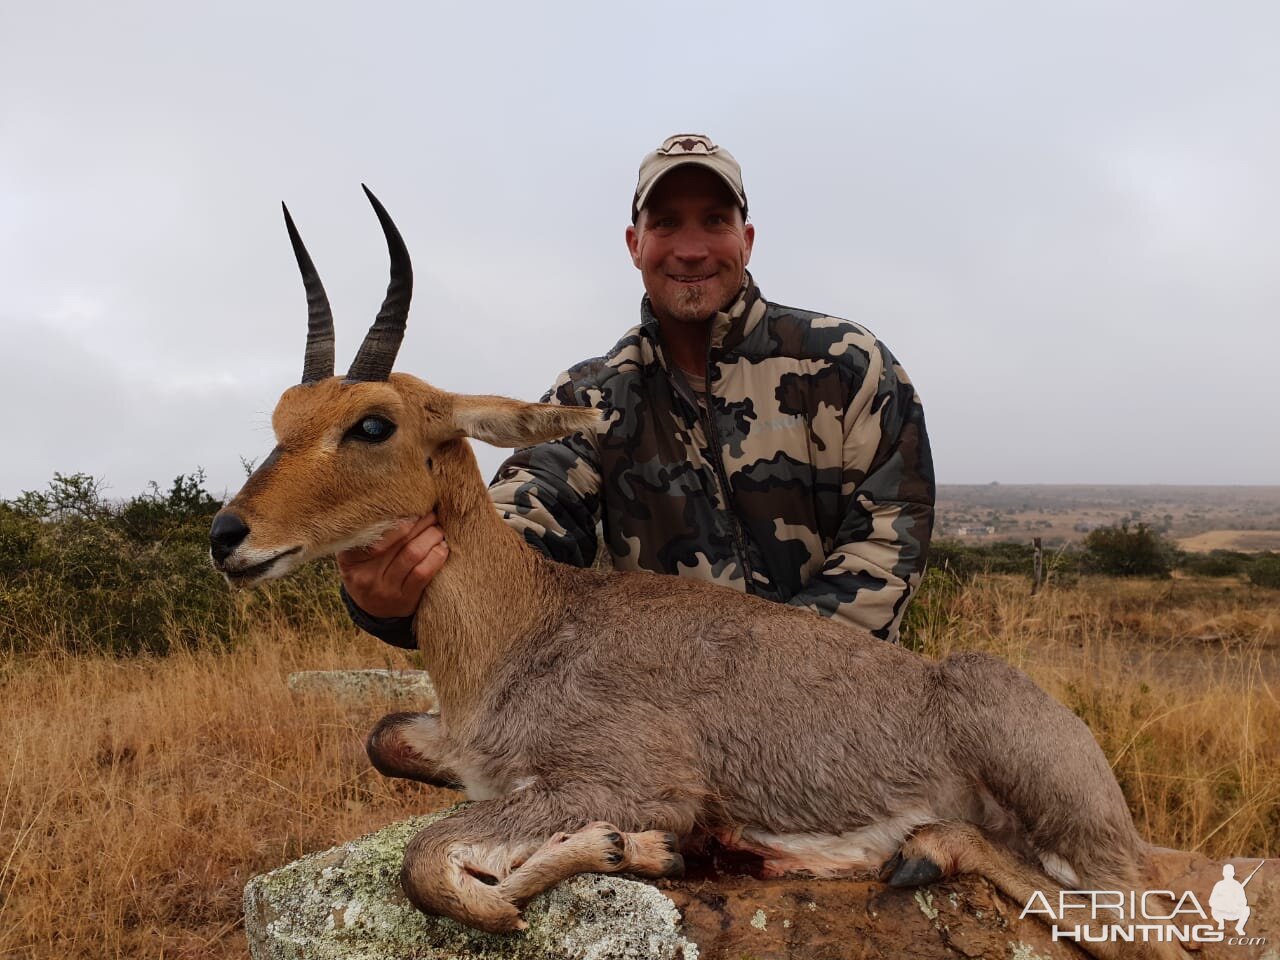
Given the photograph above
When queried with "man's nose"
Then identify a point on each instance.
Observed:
(691, 245)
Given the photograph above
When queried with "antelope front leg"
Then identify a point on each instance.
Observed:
(406, 744)
(597, 848)
(483, 864)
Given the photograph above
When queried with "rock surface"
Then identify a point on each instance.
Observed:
(367, 685)
(346, 904)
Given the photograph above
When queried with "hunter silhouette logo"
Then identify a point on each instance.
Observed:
(1228, 900)
(1149, 916)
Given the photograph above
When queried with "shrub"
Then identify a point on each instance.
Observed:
(968, 560)
(1123, 552)
(186, 509)
(86, 574)
(76, 495)
(1264, 571)
(1217, 563)
(19, 540)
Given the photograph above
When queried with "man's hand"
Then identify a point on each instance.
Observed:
(387, 579)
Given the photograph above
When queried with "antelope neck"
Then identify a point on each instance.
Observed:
(491, 591)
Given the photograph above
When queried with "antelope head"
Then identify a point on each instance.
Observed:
(355, 454)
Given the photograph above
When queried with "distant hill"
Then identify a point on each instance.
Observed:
(1200, 518)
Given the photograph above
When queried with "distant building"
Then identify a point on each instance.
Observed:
(974, 531)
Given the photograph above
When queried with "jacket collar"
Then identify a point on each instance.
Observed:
(729, 327)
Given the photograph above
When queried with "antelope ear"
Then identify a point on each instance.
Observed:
(513, 423)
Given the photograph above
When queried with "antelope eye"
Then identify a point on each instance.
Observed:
(372, 430)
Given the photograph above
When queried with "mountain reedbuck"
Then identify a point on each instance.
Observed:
(603, 720)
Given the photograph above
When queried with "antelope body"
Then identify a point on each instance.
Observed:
(606, 720)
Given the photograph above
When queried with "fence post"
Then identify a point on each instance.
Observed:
(1037, 565)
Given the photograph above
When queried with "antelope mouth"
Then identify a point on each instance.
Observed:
(248, 576)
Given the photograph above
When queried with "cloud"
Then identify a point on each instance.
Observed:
(1058, 217)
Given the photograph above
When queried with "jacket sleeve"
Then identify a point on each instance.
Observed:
(551, 492)
(397, 631)
(883, 541)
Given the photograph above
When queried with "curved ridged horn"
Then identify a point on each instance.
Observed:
(317, 364)
(381, 344)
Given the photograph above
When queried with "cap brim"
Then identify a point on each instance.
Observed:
(642, 194)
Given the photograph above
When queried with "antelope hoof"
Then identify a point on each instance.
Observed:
(675, 868)
(675, 862)
(607, 843)
(497, 921)
(911, 871)
(654, 853)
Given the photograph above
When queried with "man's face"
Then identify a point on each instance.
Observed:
(690, 245)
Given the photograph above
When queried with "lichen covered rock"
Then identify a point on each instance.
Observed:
(364, 685)
(346, 904)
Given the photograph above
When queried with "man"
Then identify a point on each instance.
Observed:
(773, 450)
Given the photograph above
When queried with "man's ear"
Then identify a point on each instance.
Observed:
(633, 243)
(513, 423)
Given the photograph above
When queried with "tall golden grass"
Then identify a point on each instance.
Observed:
(142, 793)
(138, 795)
(1178, 679)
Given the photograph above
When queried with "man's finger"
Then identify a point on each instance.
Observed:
(425, 571)
(391, 539)
(413, 552)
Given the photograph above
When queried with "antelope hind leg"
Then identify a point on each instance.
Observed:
(951, 847)
(405, 745)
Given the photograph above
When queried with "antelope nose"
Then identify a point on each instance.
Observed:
(227, 533)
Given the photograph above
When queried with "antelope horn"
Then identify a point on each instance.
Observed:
(317, 364)
(378, 352)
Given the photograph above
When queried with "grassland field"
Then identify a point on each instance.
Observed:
(140, 792)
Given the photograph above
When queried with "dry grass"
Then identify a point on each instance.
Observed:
(1243, 540)
(1179, 680)
(138, 795)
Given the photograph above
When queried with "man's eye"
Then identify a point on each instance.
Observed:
(371, 429)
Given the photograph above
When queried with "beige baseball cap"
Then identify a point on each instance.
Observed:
(687, 148)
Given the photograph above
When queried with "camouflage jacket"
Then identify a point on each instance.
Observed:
(802, 474)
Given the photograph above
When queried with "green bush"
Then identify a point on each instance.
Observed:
(75, 496)
(969, 560)
(85, 574)
(1264, 571)
(1123, 552)
(186, 509)
(1216, 563)
(19, 540)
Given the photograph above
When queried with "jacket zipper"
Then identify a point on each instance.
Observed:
(714, 435)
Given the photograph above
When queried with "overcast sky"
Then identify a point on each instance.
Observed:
(1061, 217)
